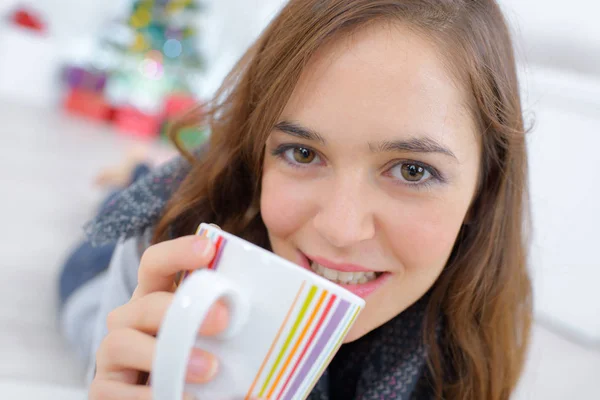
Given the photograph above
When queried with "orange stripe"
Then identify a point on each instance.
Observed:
(264, 363)
(310, 340)
(298, 341)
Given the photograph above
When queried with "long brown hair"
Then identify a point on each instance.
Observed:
(484, 292)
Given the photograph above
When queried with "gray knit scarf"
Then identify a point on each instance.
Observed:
(388, 363)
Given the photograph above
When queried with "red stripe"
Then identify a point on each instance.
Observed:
(268, 356)
(310, 340)
(214, 262)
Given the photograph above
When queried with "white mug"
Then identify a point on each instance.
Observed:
(286, 325)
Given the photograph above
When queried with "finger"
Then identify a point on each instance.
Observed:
(145, 314)
(102, 389)
(129, 350)
(202, 366)
(161, 262)
(123, 351)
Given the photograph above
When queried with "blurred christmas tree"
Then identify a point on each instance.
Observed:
(149, 64)
(159, 50)
(166, 26)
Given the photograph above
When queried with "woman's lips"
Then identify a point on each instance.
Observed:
(339, 267)
(360, 289)
(365, 289)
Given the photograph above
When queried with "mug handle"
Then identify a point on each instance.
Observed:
(179, 329)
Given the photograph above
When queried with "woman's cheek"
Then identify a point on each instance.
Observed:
(285, 203)
(426, 237)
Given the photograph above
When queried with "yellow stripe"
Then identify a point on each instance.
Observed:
(295, 348)
(288, 340)
(283, 325)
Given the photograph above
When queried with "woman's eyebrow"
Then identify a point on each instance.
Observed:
(415, 144)
(299, 131)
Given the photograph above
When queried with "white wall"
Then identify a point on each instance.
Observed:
(559, 34)
(69, 17)
(565, 195)
(230, 27)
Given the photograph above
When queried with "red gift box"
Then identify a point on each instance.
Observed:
(178, 104)
(88, 104)
(134, 122)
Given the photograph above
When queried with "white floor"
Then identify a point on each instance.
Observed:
(46, 168)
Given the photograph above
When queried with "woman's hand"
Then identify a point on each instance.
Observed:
(128, 349)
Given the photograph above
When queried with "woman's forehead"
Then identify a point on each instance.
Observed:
(381, 83)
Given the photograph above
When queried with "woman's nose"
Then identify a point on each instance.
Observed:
(345, 216)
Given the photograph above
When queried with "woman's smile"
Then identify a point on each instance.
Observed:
(361, 281)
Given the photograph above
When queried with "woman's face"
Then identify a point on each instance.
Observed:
(371, 169)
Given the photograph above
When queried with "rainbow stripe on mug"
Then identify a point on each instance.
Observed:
(219, 242)
(308, 338)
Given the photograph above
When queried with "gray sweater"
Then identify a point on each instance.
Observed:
(109, 291)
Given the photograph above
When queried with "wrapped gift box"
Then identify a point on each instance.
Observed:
(132, 121)
(89, 104)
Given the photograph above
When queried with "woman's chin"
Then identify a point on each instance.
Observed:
(355, 333)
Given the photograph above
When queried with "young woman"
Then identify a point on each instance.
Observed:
(384, 136)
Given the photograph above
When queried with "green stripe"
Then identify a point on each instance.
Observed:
(288, 340)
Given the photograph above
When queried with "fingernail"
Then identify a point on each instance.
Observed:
(188, 396)
(203, 247)
(202, 366)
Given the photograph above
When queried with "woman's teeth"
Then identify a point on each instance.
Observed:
(346, 278)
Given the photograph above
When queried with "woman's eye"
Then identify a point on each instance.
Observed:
(411, 173)
(297, 155)
(301, 155)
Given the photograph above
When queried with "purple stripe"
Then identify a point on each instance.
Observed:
(333, 323)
